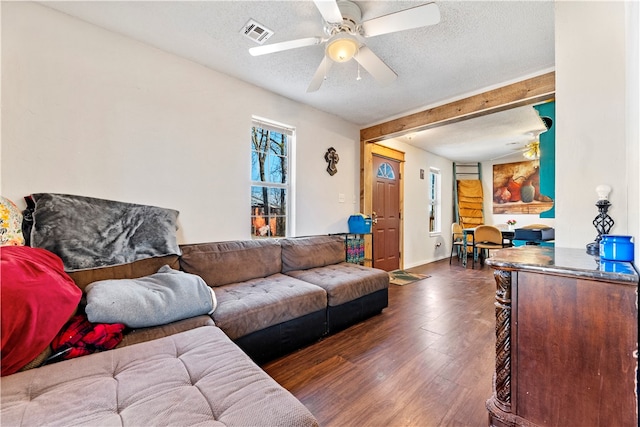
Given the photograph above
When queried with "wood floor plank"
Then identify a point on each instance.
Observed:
(426, 360)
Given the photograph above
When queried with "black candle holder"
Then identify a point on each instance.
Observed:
(603, 223)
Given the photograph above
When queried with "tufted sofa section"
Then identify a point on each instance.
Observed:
(197, 377)
(275, 296)
(265, 312)
(354, 292)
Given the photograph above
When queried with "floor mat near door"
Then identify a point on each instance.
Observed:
(401, 277)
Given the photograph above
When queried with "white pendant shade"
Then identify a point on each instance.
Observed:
(342, 48)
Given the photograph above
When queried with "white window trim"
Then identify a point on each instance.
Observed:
(437, 203)
(290, 185)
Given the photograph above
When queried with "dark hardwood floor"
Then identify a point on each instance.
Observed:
(427, 360)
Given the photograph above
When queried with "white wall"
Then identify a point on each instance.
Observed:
(88, 112)
(420, 246)
(595, 142)
(633, 121)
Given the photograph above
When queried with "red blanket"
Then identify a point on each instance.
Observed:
(37, 299)
(80, 337)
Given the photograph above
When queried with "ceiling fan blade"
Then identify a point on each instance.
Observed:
(320, 74)
(419, 16)
(500, 156)
(279, 47)
(374, 66)
(329, 11)
(514, 151)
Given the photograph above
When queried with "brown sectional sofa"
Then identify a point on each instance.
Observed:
(273, 296)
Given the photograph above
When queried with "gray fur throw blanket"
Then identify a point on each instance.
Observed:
(88, 233)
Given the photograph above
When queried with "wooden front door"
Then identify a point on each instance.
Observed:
(386, 213)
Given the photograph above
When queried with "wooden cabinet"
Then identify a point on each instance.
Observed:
(566, 340)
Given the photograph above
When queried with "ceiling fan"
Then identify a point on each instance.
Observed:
(345, 37)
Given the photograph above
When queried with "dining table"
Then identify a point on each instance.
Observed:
(508, 235)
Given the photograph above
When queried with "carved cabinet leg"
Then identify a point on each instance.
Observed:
(503, 339)
(499, 405)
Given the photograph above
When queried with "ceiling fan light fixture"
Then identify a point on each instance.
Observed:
(342, 47)
(533, 151)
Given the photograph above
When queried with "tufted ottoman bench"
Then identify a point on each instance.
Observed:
(196, 377)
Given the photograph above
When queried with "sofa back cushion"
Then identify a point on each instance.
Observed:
(311, 252)
(133, 270)
(222, 263)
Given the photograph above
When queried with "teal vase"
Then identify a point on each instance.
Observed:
(527, 192)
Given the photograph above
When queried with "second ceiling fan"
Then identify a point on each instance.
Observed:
(345, 37)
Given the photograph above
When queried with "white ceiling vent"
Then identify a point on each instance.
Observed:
(256, 32)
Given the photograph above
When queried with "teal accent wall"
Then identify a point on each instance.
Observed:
(548, 157)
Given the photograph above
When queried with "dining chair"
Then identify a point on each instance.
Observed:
(487, 237)
(504, 227)
(456, 240)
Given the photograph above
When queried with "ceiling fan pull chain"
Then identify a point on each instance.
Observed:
(358, 57)
(325, 71)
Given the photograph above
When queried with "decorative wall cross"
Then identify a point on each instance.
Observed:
(332, 158)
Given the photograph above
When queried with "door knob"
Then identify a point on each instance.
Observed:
(374, 217)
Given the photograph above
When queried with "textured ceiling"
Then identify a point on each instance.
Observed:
(500, 136)
(477, 45)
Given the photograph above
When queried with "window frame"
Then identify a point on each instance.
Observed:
(435, 201)
(289, 133)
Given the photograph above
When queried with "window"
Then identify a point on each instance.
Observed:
(270, 181)
(435, 206)
(385, 171)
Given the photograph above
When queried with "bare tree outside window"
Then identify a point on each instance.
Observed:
(270, 181)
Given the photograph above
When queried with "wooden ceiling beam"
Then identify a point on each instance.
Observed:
(531, 91)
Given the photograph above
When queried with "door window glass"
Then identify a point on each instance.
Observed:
(385, 170)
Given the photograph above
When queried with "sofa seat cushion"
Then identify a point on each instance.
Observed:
(344, 282)
(197, 377)
(256, 304)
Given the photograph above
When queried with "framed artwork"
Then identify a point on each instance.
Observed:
(516, 189)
